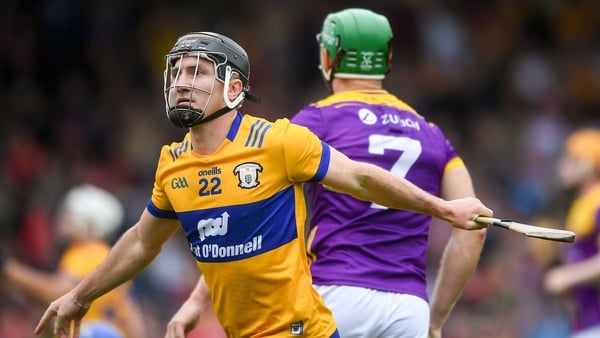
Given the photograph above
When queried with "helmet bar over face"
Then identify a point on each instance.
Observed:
(221, 49)
(185, 115)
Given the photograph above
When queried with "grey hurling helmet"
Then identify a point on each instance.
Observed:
(228, 58)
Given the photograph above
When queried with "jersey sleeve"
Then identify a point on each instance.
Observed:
(306, 156)
(451, 156)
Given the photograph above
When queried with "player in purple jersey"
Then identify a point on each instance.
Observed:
(580, 274)
(368, 261)
(245, 222)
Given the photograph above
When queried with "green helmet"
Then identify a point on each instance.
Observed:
(355, 43)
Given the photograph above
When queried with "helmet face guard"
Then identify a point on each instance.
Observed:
(184, 115)
(229, 60)
(355, 43)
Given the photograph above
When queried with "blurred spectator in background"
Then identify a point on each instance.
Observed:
(579, 276)
(87, 218)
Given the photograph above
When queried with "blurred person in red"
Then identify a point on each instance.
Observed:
(87, 218)
(579, 275)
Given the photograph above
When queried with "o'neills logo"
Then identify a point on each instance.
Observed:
(210, 172)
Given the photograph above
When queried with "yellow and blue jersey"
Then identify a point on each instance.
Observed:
(243, 212)
(116, 306)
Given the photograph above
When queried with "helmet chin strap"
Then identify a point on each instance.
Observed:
(186, 117)
(214, 115)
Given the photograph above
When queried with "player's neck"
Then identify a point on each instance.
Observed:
(209, 136)
(343, 85)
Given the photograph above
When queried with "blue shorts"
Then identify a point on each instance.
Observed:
(336, 334)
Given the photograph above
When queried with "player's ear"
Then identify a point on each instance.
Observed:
(235, 87)
(325, 60)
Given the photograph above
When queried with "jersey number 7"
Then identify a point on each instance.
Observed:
(410, 152)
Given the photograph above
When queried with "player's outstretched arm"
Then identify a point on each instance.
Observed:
(563, 278)
(133, 251)
(38, 285)
(369, 182)
(186, 318)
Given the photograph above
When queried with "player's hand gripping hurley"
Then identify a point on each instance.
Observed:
(530, 230)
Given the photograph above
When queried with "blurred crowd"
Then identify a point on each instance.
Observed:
(81, 86)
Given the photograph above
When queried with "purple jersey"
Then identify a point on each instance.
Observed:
(584, 219)
(359, 243)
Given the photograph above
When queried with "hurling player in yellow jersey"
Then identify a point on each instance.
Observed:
(234, 183)
(88, 216)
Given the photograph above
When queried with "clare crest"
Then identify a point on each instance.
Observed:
(247, 174)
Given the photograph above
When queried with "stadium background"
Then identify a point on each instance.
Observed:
(81, 92)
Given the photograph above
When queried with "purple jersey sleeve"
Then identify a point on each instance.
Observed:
(356, 242)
